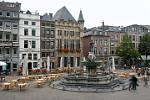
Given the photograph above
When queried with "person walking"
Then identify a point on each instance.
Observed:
(130, 83)
(134, 82)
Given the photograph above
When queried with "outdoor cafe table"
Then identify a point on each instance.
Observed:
(40, 79)
(6, 86)
(131, 74)
(14, 80)
(39, 83)
(21, 85)
(2, 78)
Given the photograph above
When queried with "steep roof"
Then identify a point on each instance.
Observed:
(46, 17)
(81, 16)
(64, 14)
(147, 26)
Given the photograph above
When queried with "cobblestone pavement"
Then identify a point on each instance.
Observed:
(47, 93)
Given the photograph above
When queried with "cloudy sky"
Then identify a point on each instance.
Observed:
(113, 12)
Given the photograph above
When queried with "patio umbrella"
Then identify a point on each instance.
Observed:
(48, 63)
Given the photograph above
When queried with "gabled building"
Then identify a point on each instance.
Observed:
(68, 34)
(9, 37)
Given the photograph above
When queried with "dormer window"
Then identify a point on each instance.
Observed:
(10, 5)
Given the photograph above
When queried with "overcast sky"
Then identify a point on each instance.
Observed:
(113, 12)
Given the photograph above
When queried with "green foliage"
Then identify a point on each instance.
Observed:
(90, 64)
(126, 49)
(144, 46)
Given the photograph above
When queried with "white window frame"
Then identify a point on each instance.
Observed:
(9, 14)
(9, 24)
(13, 25)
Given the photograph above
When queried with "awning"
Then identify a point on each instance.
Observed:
(3, 64)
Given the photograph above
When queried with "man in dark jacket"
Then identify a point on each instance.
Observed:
(134, 82)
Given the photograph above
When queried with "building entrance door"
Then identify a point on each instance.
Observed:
(1, 69)
(29, 68)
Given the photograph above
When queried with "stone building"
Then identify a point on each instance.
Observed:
(9, 38)
(68, 34)
(29, 39)
(105, 41)
(135, 32)
(100, 42)
(47, 39)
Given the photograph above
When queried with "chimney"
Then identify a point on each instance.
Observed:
(103, 25)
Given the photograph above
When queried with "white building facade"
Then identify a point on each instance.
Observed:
(29, 40)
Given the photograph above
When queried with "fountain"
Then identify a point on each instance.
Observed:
(91, 80)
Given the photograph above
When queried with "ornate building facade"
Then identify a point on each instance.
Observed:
(68, 34)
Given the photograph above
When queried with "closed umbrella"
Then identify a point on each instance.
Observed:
(76, 62)
(113, 64)
(48, 63)
(40, 63)
(84, 67)
(61, 62)
(25, 66)
(44, 64)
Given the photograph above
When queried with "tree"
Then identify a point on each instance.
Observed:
(127, 51)
(144, 46)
